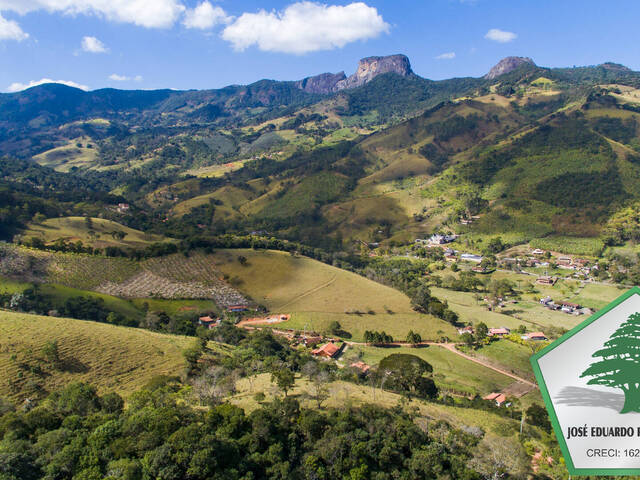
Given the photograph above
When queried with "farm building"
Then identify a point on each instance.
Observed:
(467, 329)
(328, 350)
(537, 251)
(360, 365)
(499, 332)
(209, 322)
(534, 336)
(237, 308)
(441, 239)
(499, 398)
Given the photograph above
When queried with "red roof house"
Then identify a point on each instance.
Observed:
(497, 397)
(363, 367)
(536, 336)
(328, 350)
(500, 332)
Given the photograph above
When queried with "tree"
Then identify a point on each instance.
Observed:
(422, 297)
(50, 353)
(283, 378)
(481, 331)
(467, 338)
(242, 259)
(413, 337)
(334, 327)
(537, 415)
(620, 363)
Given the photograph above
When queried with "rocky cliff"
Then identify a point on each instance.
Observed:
(507, 65)
(371, 67)
(323, 83)
(368, 69)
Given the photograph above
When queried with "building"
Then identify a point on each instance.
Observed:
(499, 398)
(437, 239)
(467, 329)
(360, 365)
(534, 336)
(537, 251)
(237, 308)
(328, 350)
(209, 322)
(546, 280)
(546, 300)
(470, 257)
(499, 332)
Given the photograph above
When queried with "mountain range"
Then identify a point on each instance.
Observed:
(382, 155)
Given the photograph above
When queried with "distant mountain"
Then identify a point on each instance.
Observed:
(507, 65)
(368, 69)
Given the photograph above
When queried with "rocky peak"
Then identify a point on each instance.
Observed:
(371, 67)
(507, 65)
(614, 67)
(368, 69)
(323, 83)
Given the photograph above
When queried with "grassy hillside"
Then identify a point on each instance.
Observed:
(77, 228)
(316, 293)
(112, 358)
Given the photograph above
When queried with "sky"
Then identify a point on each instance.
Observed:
(199, 44)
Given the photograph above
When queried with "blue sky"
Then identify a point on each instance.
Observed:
(209, 44)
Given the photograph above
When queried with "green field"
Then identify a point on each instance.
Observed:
(111, 358)
(510, 356)
(450, 371)
(316, 293)
(75, 228)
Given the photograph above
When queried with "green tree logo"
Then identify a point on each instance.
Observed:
(620, 364)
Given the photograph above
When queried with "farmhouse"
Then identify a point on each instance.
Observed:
(537, 251)
(534, 336)
(437, 239)
(497, 397)
(499, 332)
(209, 322)
(546, 300)
(328, 350)
(360, 365)
(467, 329)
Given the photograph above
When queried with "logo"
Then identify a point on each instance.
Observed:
(590, 383)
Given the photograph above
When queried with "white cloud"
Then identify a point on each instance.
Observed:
(500, 36)
(10, 30)
(17, 86)
(205, 16)
(144, 13)
(446, 56)
(93, 45)
(305, 27)
(123, 78)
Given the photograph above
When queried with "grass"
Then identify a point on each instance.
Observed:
(396, 325)
(8, 286)
(569, 245)
(450, 371)
(172, 307)
(111, 358)
(511, 356)
(64, 158)
(75, 228)
(283, 282)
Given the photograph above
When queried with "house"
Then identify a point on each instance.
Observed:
(569, 307)
(537, 251)
(237, 308)
(467, 329)
(580, 262)
(499, 398)
(546, 280)
(466, 221)
(311, 341)
(328, 350)
(564, 262)
(208, 322)
(470, 257)
(360, 365)
(534, 336)
(123, 207)
(437, 239)
(546, 300)
(479, 269)
(499, 332)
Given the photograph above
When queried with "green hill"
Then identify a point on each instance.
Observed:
(111, 358)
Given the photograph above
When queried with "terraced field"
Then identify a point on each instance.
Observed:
(112, 358)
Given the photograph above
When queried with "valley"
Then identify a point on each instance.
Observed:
(378, 244)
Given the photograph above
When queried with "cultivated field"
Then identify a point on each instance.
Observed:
(112, 358)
